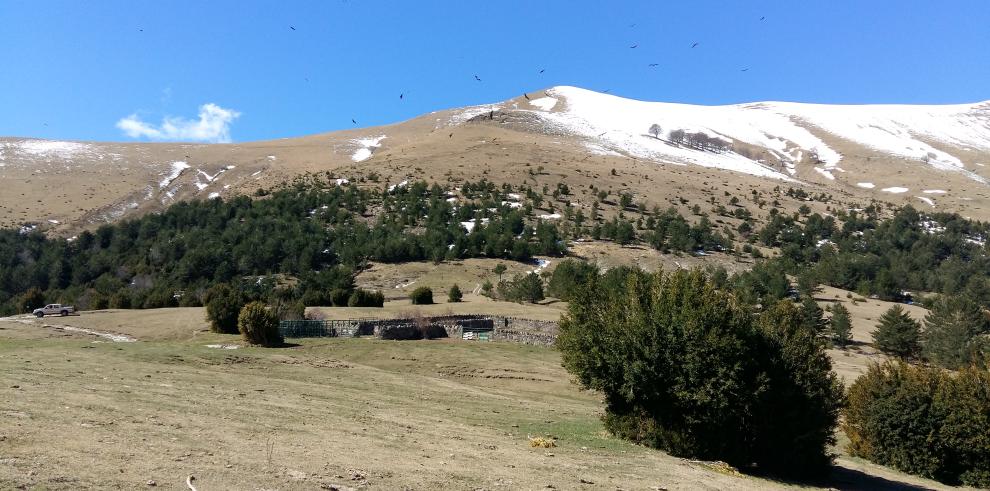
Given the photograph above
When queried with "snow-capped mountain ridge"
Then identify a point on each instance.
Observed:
(930, 156)
(789, 132)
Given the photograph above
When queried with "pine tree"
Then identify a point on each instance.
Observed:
(454, 295)
(812, 316)
(840, 326)
(897, 334)
(500, 270)
(951, 330)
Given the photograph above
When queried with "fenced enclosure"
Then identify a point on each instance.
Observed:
(319, 328)
(467, 327)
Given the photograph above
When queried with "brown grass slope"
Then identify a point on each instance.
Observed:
(82, 184)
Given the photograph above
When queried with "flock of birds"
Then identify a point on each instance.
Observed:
(478, 79)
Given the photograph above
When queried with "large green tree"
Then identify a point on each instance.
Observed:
(898, 333)
(952, 327)
(683, 367)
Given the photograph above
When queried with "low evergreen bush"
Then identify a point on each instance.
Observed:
(259, 325)
(422, 296)
(924, 421)
(454, 295)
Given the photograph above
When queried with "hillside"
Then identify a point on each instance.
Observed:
(929, 156)
(323, 414)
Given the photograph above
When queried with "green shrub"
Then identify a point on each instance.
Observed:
(804, 395)
(522, 288)
(365, 298)
(120, 300)
(897, 334)
(454, 295)
(259, 325)
(99, 302)
(951, 331)
(223, 305)
(316, 298)
(291, 311)
(963, 407)
(923, 421)
(568, 277)
(191, 299)
(32, 299)
(685, 368)
(340, 297)
(422, 296)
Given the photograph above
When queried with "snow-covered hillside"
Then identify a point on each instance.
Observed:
(791, 134)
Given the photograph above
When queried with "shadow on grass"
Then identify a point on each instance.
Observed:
(845, 478)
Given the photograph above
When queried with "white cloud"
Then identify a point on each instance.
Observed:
(213, 125)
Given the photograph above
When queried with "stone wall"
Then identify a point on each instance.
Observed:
(525, 331)
(512, 329)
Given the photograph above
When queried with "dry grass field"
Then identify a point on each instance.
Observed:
(79, 411)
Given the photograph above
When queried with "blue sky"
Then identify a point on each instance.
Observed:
(75, 70)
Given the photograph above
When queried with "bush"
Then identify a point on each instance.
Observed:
(801, 407)
(897, 334)
(32, 299)
(522, 288)
(924, 421)
(340, 297)
(259, 325)
(291, 311)
(365, 298)
(99, 302)
(568, 277)
(454, 295)
(316, 298)
(951, 331)
(685, 368)
(422, 296)
(120, 300)
(223, 305)
(963, 407)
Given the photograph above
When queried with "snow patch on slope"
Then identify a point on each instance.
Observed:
(544, 103)
(177, 168)
(600, 150)
(366, 147)
(901, 129)
(786, 130)
(473, 111)
(622, 124)
(46, 148)
(825, 172)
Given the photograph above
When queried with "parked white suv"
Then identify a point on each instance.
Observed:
(54, 309)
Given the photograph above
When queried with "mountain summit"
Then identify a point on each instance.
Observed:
(927, 155)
